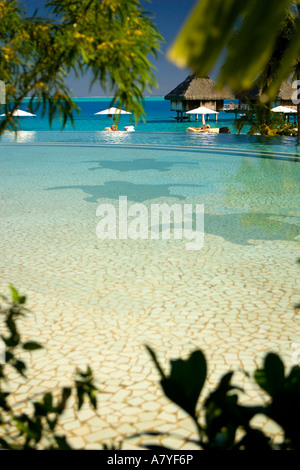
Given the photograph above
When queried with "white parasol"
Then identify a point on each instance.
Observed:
(202, 110)
(20, 113)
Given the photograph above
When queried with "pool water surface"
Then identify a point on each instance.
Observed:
(99, 302)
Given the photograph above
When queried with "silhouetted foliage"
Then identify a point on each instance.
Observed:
(221, 411)
(38, 429)
(221, 421)
(112, 41)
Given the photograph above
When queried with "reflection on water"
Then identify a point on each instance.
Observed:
(26, 136)
(20, 136)
(257, 183)
(245, 198)
(243, 229)
(116, 137)
(139, 164)
(239, 145)
(134, 192)
(267, 194)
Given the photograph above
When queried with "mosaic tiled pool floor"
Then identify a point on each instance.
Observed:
(99, 302)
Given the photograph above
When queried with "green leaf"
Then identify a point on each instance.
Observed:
(66, 393)
(14, 294)
(3, 402)
(255, 440)
(22, 299)
(271, 377)
(225, 385)
(111, 40)
(154, 358)
(62, 443)
(206, 38)
(32, 346)
(250, 52)
(20, 366)
(205, 34)
(288, 61)
(293, 379)
(186, 381)
(85, 388)
(48, 401)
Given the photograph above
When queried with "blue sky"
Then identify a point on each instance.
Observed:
(169, 16)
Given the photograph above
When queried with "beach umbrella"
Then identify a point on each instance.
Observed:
(283, 109)
(202, 110)
(113, 112)
(20, 113)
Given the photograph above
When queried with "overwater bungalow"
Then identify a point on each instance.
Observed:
(283, 98)
(194, 92)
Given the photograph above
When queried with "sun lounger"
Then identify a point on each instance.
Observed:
(214, 130)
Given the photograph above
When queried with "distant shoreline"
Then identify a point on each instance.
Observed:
(101, 98)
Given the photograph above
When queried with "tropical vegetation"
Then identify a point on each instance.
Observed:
(263, 121)
(222, 32)
(206, 37)
(221, 421)
(38, 429)
(111, 40)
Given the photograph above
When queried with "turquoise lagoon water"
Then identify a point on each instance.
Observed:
(158, 118)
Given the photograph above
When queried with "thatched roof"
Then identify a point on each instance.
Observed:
(194, 88)
(284, 93)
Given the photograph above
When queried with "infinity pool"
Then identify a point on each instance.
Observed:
(98, 302)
